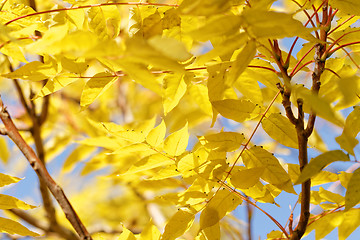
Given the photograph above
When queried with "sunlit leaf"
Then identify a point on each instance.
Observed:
(274, 173)
(280, 129)
(204, 7)
(156, 136)
(126, 235)
(9, 202)
(178, 224)
(352, 196)
(12, 227)
(174, 88)
(222, 203)
(318, 163)
(242, 61)
(176, 143)
(6, 179)
(349, 6)
(223, 141)
(237, 110)
(246, 178)
(34, 71)
(347, 140)
(96, 86)
(150, 232)
(4, 151)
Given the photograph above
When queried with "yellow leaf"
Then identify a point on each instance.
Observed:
(79, 154)
(51, 37)
(178, 224)
(96, 86)
(113, 20)
(242, 61)
(152, 25)
(349, 224)
(176, 143)
(170, 47)
(237, 110)
(352, 196)
(347, 140)
(171, 19)
(223, 141)
(4, 151)
(149, 55)
(174, 88)
(221, 204)
(212, 232)
(9, 202)
(73, 65)
(141, 75)
(12, 227)
(246, 178)
(150, 162)
(6, 179)
(281, 130)
(248, 85)
(274, 173)
(204, 7)
(199, 93)
(351, 7)
(57, 83)
(217, 26)
(150, 232)
(215, 84)
(270, 24)
(318, 163)
(317, 104)
(34, 71)
(97, 22)
(126, 235)
(102, 141)
(156, 136)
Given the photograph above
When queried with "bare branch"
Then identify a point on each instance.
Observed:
(42, 172)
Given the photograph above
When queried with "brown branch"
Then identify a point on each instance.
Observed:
(42, 172)
(249, 209)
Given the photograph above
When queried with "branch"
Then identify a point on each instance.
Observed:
(41, 171)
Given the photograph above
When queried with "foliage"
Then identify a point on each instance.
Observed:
(156, 104)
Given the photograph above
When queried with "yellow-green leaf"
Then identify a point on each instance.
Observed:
(9, 202)
(174, 88)
(96, 86)
(246, 178)
(274, 173)
(242, 61)
(156, 136)
(176, 143)
(237, 110)
(223, 141)
(281, 130)
(347, 140)
(318, 163)
(222, 203)
(178, 224)
(6, 179)
(4, 151)
(352, 196)
(12, 227)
